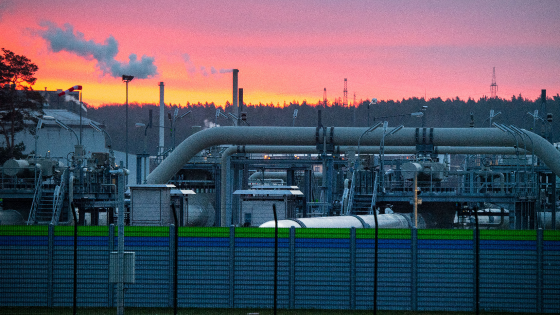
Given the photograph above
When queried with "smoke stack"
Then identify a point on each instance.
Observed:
(161, 119)
(240, 107)
(235, 89)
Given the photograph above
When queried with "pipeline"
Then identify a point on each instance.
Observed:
(306, 136)
(385, 221)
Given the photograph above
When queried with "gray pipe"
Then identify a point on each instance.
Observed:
(385, 221)
(305, 136)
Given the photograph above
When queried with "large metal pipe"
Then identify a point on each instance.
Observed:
(305, 136)
(385, 221)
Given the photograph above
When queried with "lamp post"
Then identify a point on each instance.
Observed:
(97, 128)
(64, 126)
(173, 120)
(126, 79)
(370, 129)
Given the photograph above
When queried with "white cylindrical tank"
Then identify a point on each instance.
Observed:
(11, 217)
(14, 167)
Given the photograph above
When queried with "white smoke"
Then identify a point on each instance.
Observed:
(191, 67)
(209, 124)
(65, 40)
(70, 98)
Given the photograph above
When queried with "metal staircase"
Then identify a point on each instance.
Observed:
(48, 202)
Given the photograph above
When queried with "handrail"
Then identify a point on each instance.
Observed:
(374, 195)
(36, 198)
(351, 195)
(58, 201)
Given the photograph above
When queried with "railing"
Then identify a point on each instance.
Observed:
(374, 195)
(36, 198)
(59, 193)
(351, 193)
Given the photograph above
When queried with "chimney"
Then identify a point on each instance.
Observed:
(235, 89)
(161, 119)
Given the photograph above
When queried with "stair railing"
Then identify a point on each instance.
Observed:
(351, 194)
(58, 201)
(374, 195)
(36, 198)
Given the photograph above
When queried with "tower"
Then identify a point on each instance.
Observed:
(345, 99)
(493, 86)
(325, 97)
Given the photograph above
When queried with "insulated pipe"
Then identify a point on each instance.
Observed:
(475, 137)
(225, 199)
(161, 119)
(385, 221)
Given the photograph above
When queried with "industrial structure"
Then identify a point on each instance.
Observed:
(317, 176)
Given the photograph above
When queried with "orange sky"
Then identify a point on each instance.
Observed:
(287, 50)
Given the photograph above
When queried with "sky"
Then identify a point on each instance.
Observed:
(289, 50)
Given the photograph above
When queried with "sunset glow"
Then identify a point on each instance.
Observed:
(287, 50)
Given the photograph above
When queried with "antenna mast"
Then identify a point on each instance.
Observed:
(345, 100)
(493, 86)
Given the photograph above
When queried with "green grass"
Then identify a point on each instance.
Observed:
(215, 311)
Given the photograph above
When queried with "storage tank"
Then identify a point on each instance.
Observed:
(426, 171)
(13, 167)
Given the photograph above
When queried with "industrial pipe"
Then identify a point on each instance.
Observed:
(479, 137)
(386, 221)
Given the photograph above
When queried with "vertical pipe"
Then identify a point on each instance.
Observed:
(235, 90)
(275, 258)
(81, 128)
(240, 107)
(415, 194)
(126, 132)
(161, 118)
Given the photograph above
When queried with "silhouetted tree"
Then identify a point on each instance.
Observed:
(19, 104)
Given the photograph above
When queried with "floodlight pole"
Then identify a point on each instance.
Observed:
(126, 79)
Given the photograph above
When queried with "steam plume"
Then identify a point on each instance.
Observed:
(191, 67)
(65, 40)
(209, 124)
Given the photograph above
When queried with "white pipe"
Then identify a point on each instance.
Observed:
(385, 221)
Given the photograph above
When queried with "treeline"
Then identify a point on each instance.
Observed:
(449, 113)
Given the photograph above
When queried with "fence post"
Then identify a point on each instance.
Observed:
(353, 268)
(50, 266)
(171, 263)
(111, 243)
(292, 267)
(414, 267)
(231, 266)
(540, 270)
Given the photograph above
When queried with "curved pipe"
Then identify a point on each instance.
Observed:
(475, 137)
(225, 199)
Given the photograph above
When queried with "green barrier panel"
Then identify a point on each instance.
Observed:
(508, 235)
(203, 232)
(549, 235)
(24, 230)
(435, 234)
(144, 231)
(261, 232)
(60, 230)
(394, 234)
(322, 233)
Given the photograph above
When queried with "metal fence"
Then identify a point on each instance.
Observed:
(424, 270)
